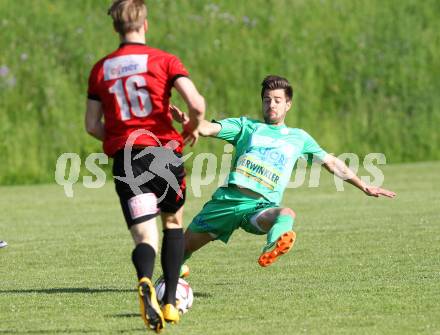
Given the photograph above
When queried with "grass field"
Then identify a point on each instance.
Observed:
(360, 265)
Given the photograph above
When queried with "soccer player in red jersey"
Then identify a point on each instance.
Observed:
(128, 110)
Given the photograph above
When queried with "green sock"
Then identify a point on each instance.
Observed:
(282, 224)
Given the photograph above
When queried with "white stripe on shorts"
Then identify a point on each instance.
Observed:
(253, 220)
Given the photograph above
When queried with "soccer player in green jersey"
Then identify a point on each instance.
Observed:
(265, 154)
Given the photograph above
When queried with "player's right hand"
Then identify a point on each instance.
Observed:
(190, 133)
(373, 191)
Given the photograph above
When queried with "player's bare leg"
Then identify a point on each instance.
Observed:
(145, 232)
(172, 258)
(145, 237)
(278, 222)
(195, 241)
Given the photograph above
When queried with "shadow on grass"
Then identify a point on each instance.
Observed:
(124, 315)
(48, 331)
(86, 290)
(202, 295)
(68, 290)
(137, 315)
(67, 331)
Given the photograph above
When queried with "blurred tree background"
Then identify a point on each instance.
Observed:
(366, 74)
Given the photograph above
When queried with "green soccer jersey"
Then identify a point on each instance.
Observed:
(265, 154)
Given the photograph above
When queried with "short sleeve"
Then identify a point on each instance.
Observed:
(231, 129)
(92, 90)
(176, 69)
(311, 147)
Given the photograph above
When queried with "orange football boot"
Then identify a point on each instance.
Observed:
(276, 249)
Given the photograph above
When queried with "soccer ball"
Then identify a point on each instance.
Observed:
(184, 294)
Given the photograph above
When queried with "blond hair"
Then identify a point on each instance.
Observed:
(128, 15)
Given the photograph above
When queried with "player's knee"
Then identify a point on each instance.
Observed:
(287, 211)
(172, 220)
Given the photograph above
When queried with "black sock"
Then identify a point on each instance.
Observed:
(143, 257)
(171, 258)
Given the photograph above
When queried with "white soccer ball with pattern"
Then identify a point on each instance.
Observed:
(184, 294)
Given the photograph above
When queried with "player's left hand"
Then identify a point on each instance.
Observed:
(374, 191)
(178, 115)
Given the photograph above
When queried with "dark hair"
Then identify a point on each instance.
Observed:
(273, 82)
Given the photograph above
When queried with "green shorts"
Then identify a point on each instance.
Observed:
(228, 210)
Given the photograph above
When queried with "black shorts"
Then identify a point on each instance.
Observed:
(160, 188)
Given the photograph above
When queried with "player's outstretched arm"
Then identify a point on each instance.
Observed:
(196, 107)
(338, 167)
(93, 119)
(209, 128)
(205, 128)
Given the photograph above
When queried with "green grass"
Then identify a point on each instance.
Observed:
(360, 265)
(366, 74)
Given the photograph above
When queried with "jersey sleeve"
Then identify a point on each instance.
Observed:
(231, 129)
(176, 69)
(311, 147)
(92, 90)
